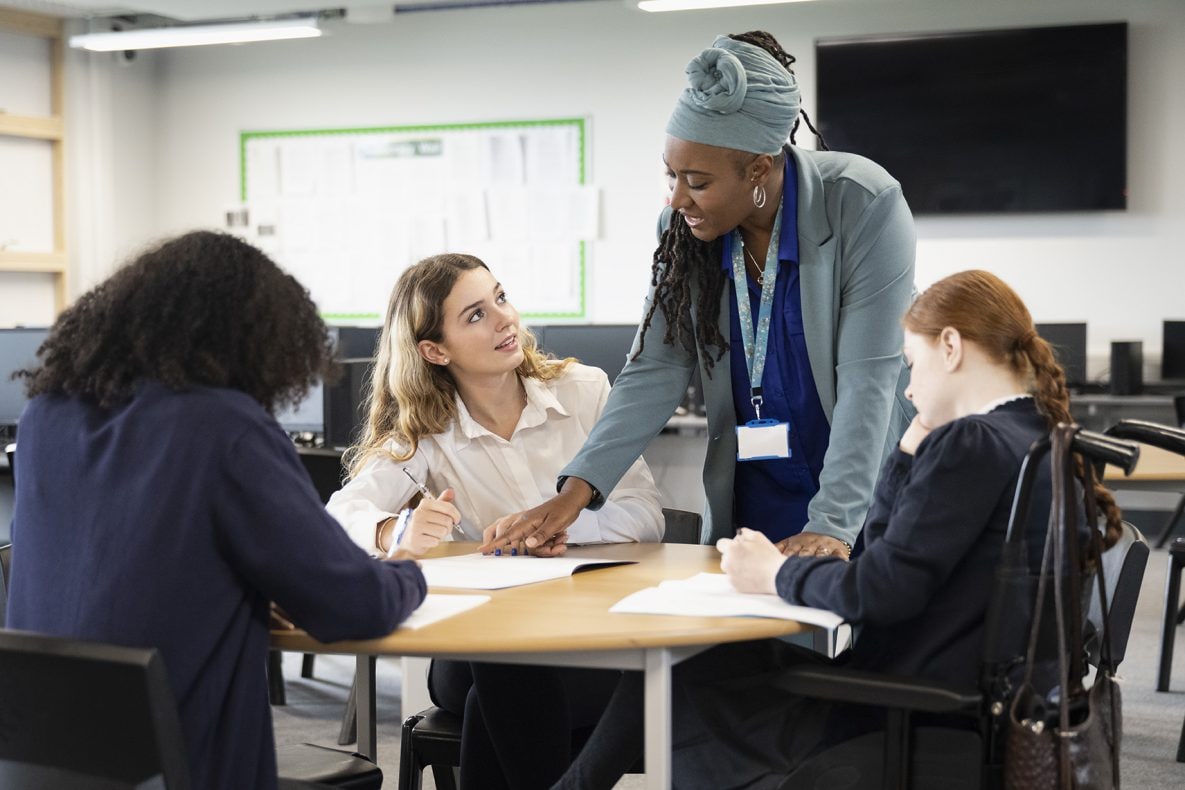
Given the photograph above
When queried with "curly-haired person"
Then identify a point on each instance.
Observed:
(159, 504)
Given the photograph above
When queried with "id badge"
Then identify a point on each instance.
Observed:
(761, 440)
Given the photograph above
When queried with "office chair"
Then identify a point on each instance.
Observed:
(909, 754)
(87, 716)
(432, 737)
(5, 562)
(1171, 525)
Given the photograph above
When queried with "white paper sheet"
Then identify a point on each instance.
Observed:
(487, 572)
(440, 607)
(712, 595)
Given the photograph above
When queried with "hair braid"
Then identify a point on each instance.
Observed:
(1053, 401)
(680, 257)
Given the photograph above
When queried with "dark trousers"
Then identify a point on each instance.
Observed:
(518, 721)
(732, 727)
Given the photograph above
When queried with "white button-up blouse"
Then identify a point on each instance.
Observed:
(493, 477)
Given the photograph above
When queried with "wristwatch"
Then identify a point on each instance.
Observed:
(594, 502)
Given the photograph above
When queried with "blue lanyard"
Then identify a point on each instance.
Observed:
(755, 348)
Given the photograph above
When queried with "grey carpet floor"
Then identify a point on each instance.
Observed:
(1152, 720)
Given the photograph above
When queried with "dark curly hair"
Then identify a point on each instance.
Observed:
(202, 309)
(681, 257)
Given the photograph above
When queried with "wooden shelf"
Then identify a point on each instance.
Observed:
(52, 129)
(34, 262)
(30, 24)
(31, 126)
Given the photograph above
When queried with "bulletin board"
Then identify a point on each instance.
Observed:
(347, 210)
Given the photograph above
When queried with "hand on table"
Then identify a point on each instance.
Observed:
(812, 544)
(430, 523)
(493, 535)
(750, 561)
(541, 527)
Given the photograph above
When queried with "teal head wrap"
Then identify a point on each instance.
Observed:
(738, 96)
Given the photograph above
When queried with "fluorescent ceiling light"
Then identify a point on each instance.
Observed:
(196, 35)
(695, 5)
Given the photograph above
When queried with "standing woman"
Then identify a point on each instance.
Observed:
(781, 273)
(463, 400)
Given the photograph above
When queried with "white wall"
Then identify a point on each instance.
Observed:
(1122, 271)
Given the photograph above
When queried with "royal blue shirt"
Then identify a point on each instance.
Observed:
(170, 521)
(772, 496)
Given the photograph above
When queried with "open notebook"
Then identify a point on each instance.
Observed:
(487, 572)
(712, 595)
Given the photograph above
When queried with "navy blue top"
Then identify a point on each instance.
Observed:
(170, 521)
(933, 538)
(772, 496)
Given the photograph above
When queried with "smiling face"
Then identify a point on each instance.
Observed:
(711, 187)
(479, 328)
(931, 384)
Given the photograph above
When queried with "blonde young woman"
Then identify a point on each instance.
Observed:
(464, 401)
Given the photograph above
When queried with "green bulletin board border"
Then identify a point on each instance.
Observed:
(579, 123)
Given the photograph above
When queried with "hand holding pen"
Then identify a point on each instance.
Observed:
(430, 522)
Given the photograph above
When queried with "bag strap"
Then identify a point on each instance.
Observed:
(1106, 668)
(1106, 658)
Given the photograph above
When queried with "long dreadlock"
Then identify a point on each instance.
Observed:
(680, 256)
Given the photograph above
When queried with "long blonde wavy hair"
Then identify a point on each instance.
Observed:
(410, 398)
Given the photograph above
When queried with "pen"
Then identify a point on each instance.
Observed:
(423, 489)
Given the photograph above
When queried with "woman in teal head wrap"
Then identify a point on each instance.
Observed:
(820, 246)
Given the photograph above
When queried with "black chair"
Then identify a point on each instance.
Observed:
(432, 737)
(1170, 526)
(1123, 575)
(87, 716)
(908, 754)
(5, 561)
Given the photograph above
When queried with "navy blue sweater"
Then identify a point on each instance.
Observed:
(171, 521)
(933, 538)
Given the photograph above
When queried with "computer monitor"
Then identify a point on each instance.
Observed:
(1172, 360)
(18, 351)
(308, 416)
(356, 342)
(1069, 348)
(603, 346)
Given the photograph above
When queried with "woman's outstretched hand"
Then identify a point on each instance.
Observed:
(536, 528)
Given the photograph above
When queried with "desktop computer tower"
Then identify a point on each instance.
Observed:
(1127, 367)
(1172, 359)
(344, 403)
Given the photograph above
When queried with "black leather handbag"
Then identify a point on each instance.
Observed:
(1070, 737)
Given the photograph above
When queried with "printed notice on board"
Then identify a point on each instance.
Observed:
(346, 211)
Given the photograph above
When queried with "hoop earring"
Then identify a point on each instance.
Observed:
(759, 196)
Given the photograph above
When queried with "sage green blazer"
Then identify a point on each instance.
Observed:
(856, 243)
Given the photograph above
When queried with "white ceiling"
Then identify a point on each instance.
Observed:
(196, 10)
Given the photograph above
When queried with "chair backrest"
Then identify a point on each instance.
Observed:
(325, 470)
(5, 561)
(10, 453)
(1123, 573)
(1179, 406)
(682, 526)
(85, 715)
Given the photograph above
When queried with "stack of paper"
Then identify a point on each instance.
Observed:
(487, 572)
(439, 607)
(712, 595)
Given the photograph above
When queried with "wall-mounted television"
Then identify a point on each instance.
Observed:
(1018, 120)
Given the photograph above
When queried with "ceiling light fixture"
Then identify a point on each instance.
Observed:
(197, 35)
(696, 5)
